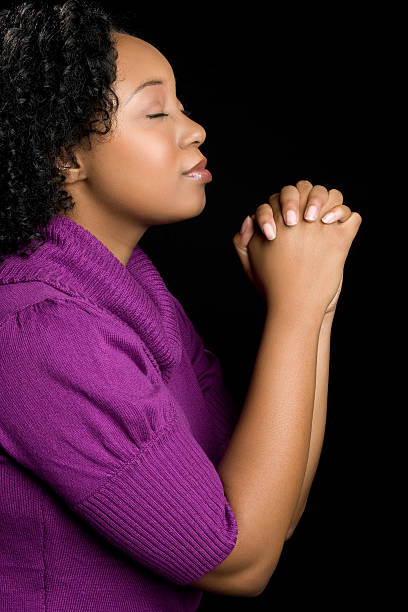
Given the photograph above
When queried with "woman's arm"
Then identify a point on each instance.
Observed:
(319, 417)
(263, 468)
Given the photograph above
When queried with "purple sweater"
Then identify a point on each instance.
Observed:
(113, 418)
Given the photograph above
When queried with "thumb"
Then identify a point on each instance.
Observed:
(240, 242)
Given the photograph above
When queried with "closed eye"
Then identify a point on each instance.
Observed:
(186, 112)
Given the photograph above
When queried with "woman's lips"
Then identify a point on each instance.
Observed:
(199, 172)
(203, 176)
(200, 166)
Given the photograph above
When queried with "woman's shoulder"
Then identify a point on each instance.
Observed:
(39, 299)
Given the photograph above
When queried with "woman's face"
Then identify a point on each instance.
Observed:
(133, 177)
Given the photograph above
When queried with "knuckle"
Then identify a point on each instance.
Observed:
(290, 203)
(304, 182)
(264, 213)
(320, 188)
(335, 192)
(264, 207)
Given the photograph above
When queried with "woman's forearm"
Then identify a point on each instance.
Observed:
(319, 417)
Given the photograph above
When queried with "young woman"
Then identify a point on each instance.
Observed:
(129, 479)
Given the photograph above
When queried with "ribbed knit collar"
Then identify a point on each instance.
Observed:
(76, 262)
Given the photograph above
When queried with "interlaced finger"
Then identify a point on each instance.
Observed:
(340, 213)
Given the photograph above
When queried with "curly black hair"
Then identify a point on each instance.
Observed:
(58, 62)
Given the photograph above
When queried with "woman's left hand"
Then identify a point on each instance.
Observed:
(326, 206)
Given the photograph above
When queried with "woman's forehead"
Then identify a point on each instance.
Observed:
(138, 62)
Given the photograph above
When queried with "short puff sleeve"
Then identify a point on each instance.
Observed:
(81, 410)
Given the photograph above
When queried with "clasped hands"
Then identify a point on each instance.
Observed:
(313, 202)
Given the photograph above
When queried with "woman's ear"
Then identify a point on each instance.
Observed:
(72, 174)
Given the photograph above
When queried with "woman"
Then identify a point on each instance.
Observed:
(129, 478)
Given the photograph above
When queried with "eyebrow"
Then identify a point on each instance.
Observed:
(143, 85)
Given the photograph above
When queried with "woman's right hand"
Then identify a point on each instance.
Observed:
(302, 268)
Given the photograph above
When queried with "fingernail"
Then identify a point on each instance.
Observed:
(268, 231)
(328, 218)
(291, 217)
(244, 225)
(311, 213)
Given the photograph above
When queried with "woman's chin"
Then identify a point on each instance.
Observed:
(201, 205)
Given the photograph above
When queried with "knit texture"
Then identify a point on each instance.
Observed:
(113, 418)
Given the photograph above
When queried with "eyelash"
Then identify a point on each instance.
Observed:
(186, 112)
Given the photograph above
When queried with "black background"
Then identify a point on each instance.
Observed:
(284, 95)
(287, 96)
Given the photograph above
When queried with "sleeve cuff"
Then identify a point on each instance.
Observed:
(166, 508)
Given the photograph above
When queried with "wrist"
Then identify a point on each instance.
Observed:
(296, 317)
